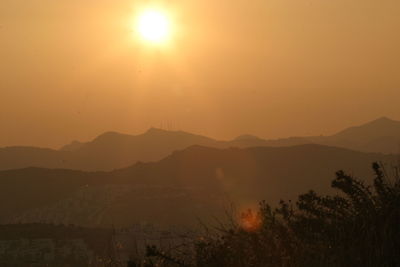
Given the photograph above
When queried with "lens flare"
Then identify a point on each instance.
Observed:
(250, 221)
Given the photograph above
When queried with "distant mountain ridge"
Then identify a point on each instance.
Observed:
(380, 135)
(192, 183)
(113, 150)
(73, 146)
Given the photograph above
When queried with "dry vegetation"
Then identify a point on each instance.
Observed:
(359, 226)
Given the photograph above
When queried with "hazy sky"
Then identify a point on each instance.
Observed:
(72, 69)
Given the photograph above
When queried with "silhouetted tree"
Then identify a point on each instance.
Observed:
(359, 226)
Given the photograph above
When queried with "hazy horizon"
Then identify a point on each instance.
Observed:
(72, 70)
(170, 127)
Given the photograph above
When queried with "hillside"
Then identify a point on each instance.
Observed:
(197, 182)
(113, 150)
(106, 152)
(381, 135)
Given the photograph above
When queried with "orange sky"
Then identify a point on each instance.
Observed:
(72, 69)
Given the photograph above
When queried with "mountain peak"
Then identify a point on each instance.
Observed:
(368, 132)
(110, 137)
(383, 120)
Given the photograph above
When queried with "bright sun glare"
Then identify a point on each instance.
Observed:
(154, 26)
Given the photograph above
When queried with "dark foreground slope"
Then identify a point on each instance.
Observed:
(97, 239)
(197, 182)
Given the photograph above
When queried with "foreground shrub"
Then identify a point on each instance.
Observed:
(359, 226)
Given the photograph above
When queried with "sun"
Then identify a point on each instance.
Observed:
(154, 26)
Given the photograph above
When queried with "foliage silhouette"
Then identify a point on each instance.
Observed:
(359, 226)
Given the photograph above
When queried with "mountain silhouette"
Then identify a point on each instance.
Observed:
(375, 129)
(108, 151)
(113, 150)
(73, 146)
(380, 135)
(196, 182)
